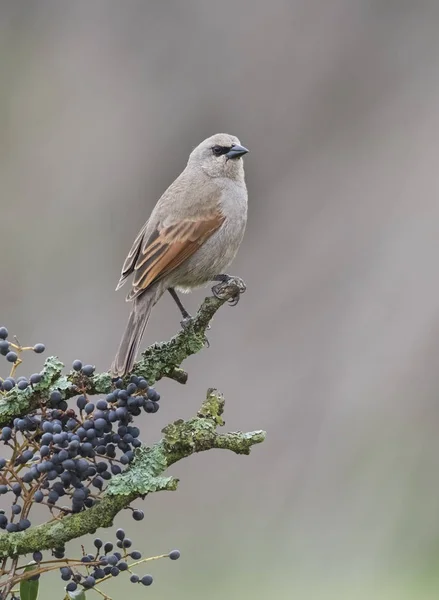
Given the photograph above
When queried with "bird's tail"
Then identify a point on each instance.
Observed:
(130, 342)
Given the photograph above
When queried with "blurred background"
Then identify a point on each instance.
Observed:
(333, 350)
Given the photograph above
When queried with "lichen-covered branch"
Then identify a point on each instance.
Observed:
(145, 475)
(159, 360)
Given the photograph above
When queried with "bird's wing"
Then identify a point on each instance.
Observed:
(130, 261)
(166, 248)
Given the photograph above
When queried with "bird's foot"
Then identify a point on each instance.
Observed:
(229, 288)
(186, 321)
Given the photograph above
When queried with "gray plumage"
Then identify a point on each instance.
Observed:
(192, 235)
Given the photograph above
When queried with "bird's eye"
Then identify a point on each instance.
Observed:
(219, 150)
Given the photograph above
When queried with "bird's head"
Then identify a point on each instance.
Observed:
(219, 156)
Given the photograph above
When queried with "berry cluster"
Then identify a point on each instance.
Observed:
(62, 455)
(103, 563)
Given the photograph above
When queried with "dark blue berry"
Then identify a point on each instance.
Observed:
(77, 365)
(174, 554)
(16, 489)
(35, 378)
(81, 402)
(153, 395)
(131, 388)
(16, 509)
(89, 582)
(71, 587)
(135, 555)
(55, 397)
(38, 496)
(11, 527)
(3, 521)
(138, 515)
(6, 433)
(39, 348)
(88, 370)
(146, 580)
(89, 408)
(23, 384)
(12, 357)
(8, 385)
(134, 578)
(3, 333)
(37, 556)
(24, 524)
(108, 548)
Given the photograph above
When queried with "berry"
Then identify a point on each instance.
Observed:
(149, 406)
(88, 370)
(16, 509)
(134, 578)
(98, 543)
(23, 524)
(3, 489)
(59, 552)
(16, 488)
(7, 385)
(12, 357)
(2, 463)
(131, 388)
(3, 333)
(38, 496)
(174, 554)
(81, 401)
(114, 571)
(11, 527)
(108, 547)
(23, 384)
(71, 587)
(146, 580)
(89, 582)
(77, 365)
(135, 555)
(4, 347)
(122, 565)
(6, 433)
(3, 521)
(37, 556)
(55, 397)
(127, 543)
(39, 348)
(66, 573)
(35, 378)
(120, 534)
(153, 395)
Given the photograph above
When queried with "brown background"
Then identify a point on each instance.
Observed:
(334, 348)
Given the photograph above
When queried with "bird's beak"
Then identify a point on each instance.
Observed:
(236, 151)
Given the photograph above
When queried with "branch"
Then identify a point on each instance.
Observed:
(159, 360)
(145, 475)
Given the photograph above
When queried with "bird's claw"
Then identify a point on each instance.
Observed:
(229, 290)
(186, 322)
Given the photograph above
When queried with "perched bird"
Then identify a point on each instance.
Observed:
(191, 237)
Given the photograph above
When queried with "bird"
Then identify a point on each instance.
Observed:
(190, 238)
